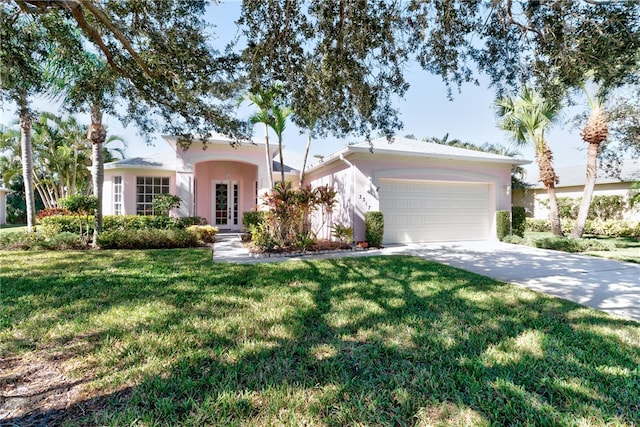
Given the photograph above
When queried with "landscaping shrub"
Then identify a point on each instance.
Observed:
(163, 203)
(65, 223)
(503, 224)
(374, 228)
(343, 233)
(515, 239)
(518, 220)
(607, 207)
(559, 243)
(80, 204)
(149, 238)
(18, 240)
(612, 228)
(262, 237)
(251, 219)
(63, 241)
(537, 225)
(43, 213)
(71, 223)
(288, 220)
(204, 233)
(23, 240)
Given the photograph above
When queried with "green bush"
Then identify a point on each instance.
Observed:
(71, 223)
(148, 238)
(204, 233)
(515, 239)
(503, 224)
(596, 227)
(23, 240)
(559, 243)
(64, 241)
(252, 219)
(343, 233)
(374, 228)
(607, 207)
(518, 220)
(163, 203)
(612, 228)
(262, 237)
(80, 204)
(537, 225)
(66, 223)
(18, 240)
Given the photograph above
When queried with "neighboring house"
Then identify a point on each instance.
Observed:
(427, 192)
(3, 205)
(571, 184)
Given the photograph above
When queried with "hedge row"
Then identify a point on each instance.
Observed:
(597, 227)
(564, 244)
(74, 223)
(22, 240)
(149, 238)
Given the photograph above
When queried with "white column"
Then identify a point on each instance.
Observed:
(185, 190)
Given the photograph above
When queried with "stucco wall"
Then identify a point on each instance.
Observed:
(370, 168)
(539, 198)
(129, 187)
(208, 172)
(3, 205)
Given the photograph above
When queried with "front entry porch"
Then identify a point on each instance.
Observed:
(223, 191)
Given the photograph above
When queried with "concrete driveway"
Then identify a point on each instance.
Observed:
(607, 285)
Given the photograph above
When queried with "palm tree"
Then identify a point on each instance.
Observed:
(526, 118)
(311, 124)
(594, 133)
(279, 123)
(264, 100)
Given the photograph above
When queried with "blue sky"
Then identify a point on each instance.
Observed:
(425, 111)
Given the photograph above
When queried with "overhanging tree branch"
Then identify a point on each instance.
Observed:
(117, 33)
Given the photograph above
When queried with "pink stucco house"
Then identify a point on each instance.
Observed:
(427, 192)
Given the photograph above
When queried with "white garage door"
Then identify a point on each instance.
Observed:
(429, 211)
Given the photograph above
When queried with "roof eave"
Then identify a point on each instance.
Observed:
(511, 161)
(163, 168)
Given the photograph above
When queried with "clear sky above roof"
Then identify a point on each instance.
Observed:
(425, 111)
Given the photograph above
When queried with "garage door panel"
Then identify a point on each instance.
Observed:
(434, 211)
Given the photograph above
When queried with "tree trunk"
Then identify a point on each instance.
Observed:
(554, 213)
(268, 159)
(281, 161)
(97, 135)
(549, 179)
(27, 163)
(306, 155)
(587, 194)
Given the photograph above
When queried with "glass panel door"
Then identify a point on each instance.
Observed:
(225, 204)
(221, 204)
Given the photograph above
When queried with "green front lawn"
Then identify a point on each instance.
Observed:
(168, 337)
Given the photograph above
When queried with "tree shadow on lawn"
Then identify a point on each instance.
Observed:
(382, 340)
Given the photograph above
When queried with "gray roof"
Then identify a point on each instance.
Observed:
(167, 161)
(575, 175)
(292, 161)
(162, 161)
(413, 147)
